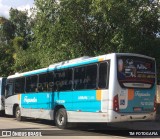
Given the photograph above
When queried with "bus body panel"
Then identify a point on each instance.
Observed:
(38, 113)
(85, 101)
(140, 101)
(10, 102)
(137, 100)
(87, 117)
(44, 102)
(112, 82)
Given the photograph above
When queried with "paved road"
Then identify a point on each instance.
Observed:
(76, 132)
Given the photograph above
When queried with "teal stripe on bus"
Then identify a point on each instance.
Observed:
(84, 100)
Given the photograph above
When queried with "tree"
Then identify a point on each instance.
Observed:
(6, 60)
(114, 26)
(95, 27)
(65, 29)
(22, 25)
(6, 30)
(72, 28)
(6, 51)
(23, 55)
(15, 37)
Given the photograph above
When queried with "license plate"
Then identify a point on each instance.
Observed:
(137, 109)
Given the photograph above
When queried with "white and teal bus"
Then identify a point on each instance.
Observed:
(2, 92)
(109, 88)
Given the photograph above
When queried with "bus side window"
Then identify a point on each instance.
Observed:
(9, 90)
(50, 81)
(79, 76)
(31, 83)
(62, 80)
(85, 77)
(42, 84)
(9, 87)
(103, 73)
(91, 76)
(19, 85)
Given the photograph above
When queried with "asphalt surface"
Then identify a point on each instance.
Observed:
(46, 129)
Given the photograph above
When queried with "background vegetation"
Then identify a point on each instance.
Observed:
(66, 29)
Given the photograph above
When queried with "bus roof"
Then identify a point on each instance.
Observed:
(75, 62)
(133, 54)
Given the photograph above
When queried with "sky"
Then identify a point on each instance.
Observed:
(5, 6)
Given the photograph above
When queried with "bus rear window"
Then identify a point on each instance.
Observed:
(135, 72)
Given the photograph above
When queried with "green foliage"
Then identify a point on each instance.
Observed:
(22, 25)
(25, 60)
(6, 50)
(96, 27)
(18, 43)
(15, 36)
(6, 60)
(6, 30)
(19, 19)
(64, 29)
(73, 28)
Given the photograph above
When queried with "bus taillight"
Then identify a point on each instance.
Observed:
(115, 103)
(155, 104)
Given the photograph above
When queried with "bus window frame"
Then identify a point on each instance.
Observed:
(63, 69)
(85, 66)
(47, 74)
(52, 78)
(6, 87)
(39, 80)
(107, 75)
(26, 84)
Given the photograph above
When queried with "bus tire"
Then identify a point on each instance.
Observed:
(18, 114)
(61, 118)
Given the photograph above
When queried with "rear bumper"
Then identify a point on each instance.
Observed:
(106, 117)
(119, 117)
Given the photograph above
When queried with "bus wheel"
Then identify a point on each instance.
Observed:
(61, 118)
(18, 114)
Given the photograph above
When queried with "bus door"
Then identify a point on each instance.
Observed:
(8, 93)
